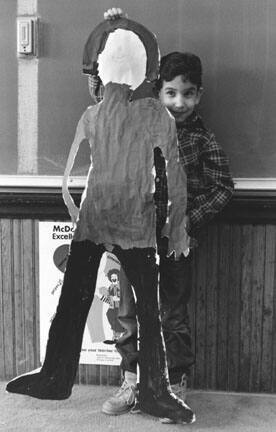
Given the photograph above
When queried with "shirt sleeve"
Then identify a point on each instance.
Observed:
(175, 227)
(218, 184)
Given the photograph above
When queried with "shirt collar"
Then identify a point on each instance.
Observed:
(192, 122)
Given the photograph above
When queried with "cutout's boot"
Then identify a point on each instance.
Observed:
(57, 375)
(155, 395)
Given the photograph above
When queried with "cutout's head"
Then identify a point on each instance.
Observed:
(123, 59)
(122, 51)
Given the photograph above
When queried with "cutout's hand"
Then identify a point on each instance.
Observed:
(183, 246)
(109, 247)
(114, 13)
(73, 212)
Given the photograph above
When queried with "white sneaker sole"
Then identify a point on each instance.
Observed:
(166, 420)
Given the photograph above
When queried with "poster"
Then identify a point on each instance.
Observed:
(102, 327)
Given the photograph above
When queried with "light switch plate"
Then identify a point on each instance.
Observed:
(27, 36)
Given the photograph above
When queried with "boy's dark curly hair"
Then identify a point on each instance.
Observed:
(177, 63)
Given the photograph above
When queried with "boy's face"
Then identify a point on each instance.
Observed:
(180, 97)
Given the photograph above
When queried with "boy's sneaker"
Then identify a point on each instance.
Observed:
(122, 401)
(180, 389)
(136, 406)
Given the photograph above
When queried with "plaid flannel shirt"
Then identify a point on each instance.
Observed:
(209, 183)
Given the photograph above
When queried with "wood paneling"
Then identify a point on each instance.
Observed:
(19, 296)
(232, 309)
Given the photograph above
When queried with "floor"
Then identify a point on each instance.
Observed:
(215, 411)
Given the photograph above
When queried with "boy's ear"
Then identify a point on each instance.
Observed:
(199, 94)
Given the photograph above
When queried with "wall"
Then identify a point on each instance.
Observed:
(234, 40)
(232, 310)
(8, 87)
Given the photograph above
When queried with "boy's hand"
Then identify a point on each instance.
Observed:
(94, 84)
(93, 81)
(114, 13)
(187, 222)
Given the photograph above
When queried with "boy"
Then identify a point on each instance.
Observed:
(210, 187)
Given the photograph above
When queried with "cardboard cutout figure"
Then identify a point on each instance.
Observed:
(117, 212)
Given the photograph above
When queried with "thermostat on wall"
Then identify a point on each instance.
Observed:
(27, 28)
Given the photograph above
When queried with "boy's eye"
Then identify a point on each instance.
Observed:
(170, 93)
(190, 93)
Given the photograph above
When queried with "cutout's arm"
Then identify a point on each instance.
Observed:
(175, 227)
(69, 202)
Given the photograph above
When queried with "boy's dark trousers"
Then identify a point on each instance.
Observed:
(175, 292)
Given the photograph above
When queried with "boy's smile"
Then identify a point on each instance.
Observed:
(180, 97)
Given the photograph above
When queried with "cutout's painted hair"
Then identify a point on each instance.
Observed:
(97, 40)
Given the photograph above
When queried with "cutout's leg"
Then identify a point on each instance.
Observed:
(155, 396)
(56, 378)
